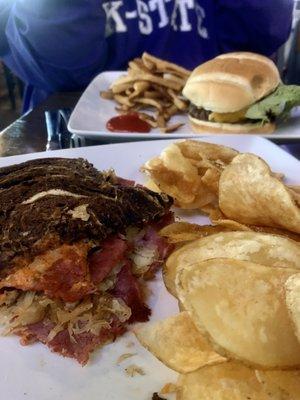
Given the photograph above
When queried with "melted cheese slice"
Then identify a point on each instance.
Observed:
(237, 116)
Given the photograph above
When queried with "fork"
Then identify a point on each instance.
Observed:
(58, 136)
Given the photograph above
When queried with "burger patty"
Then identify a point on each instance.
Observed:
(199, 113)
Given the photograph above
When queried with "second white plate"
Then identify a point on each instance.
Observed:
(91, 114)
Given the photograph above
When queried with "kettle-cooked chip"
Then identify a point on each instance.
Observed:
(241, 308)
(216, 154)
(249, 193)
(221, 382)
(173, 160)
(177, 343)
(236, 382)
(179, 232)
(292, 287)
(229, 224)
(189, 171)
(174, 175)
(280, 384)
(265, 249)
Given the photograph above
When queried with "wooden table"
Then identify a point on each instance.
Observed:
(28, 134)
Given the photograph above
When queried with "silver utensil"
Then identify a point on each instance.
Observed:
(53, 138)
(77, 141)
(58, 136)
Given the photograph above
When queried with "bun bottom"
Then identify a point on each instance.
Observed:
(199, 126)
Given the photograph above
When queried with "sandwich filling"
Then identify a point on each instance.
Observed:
(205, 115)
(272, 108)
(77, 249)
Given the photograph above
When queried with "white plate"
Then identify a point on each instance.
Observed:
(34, 373)
(91, 114)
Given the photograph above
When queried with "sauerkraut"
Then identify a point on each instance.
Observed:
(19, 309)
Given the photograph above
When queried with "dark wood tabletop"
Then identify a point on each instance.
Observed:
(28, 134)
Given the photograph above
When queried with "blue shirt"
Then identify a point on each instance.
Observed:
(60, 45)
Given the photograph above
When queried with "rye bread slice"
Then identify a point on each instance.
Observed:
(47, 202)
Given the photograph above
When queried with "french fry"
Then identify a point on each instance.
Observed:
(180, 104)
(138, 65)
(120, 88)
(150, 65)
(107, 95)
(139, 88)
(152, 94)
(148, 118)
(172, 128)
(173, 77)
(172, 110)
(165, 65)
(161, 121)
(124, 100)
(150, 102)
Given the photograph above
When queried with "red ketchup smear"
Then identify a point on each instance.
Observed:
(128, 123)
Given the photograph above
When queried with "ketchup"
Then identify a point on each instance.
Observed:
(131, 123)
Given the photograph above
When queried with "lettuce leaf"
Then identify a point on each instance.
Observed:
(277, 105)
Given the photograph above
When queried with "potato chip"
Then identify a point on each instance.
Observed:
(277, 231)
(172, 182)
(233, 381)
(189, 171)
(292, 287)
(176, 175)
(228, 381)
(203, 197)
(241, 308)
(248, 193)
(229, 224)
(173, 160)
(214, 213)
(177, 343)
(218, 155)
(185, 232)
(211, 180)
(265, 249)
(280, 384)
(295, 192)
(152, 186)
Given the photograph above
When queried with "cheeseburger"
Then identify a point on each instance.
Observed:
(238, 93)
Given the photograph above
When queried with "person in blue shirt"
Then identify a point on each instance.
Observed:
(60, 45)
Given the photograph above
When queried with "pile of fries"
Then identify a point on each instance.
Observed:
(151, 84)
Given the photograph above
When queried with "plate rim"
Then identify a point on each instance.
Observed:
(205, 138)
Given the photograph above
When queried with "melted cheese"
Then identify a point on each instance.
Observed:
(51, 192)
(80, 212)
(237, 116)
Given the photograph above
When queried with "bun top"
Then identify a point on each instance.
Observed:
(231, 82)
